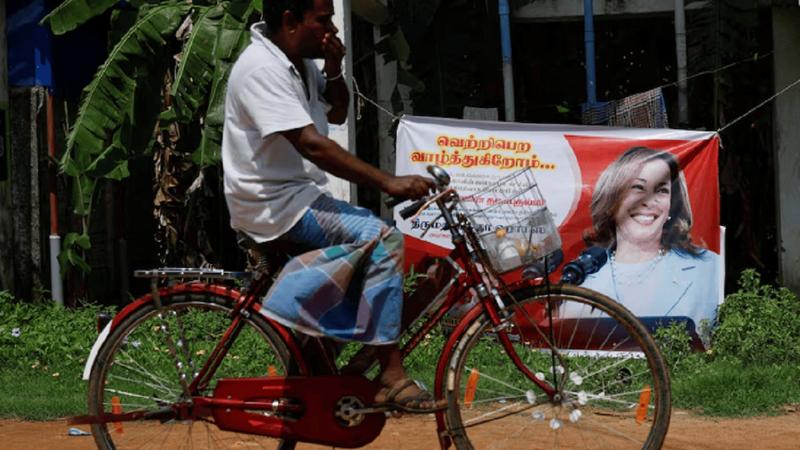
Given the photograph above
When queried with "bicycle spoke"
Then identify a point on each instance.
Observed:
(475, 420)
(497, 399)
(131, 394)
(131, 406)
(143, 383)
(496, 380)
(183, 343)
(636, 393)
(575, 329)
(607, 368)
(610, 400)
(620, 382)
(141, 370)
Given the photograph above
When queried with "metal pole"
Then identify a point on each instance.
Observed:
(56, 286)
(588, 38)
(508, 72)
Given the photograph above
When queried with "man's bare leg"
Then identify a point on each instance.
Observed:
(391, 363)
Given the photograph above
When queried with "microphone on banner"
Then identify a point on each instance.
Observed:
(589, 262)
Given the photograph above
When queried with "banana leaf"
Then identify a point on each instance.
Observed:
(196, 71)
(72, 13)
(110, 114)
(232, 37)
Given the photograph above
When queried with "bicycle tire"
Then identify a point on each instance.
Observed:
(134, 366)
(604, 384)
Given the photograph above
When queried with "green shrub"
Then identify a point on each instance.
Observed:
(45, 336)
(759, 324)
(676, 346)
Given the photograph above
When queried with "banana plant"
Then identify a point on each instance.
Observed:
(122, 109)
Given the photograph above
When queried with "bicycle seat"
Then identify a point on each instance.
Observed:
(269, 256)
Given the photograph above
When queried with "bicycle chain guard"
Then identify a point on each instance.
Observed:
(315, 401)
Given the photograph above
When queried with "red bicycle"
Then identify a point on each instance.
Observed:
(531, 363)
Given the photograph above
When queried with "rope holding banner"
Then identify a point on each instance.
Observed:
(363, 97)
(752, 110)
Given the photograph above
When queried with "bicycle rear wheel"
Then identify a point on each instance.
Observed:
(605, 367)
(137, 370)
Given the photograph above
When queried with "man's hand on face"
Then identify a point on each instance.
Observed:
(334, 51)
(409, 186)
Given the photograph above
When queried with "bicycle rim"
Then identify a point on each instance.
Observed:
(137, 371)
(611, 378)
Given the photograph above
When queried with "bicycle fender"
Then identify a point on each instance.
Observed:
(87, 369)
(101, 339)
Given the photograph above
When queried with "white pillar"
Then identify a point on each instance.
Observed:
(786, 36)
(344, 134)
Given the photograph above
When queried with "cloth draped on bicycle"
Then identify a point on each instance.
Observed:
(351, 287)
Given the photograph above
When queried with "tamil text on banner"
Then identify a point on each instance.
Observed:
(621, 190)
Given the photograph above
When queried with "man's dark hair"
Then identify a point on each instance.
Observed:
(273, 11)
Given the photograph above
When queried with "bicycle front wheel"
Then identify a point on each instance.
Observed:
(610, 381)
(153, 354)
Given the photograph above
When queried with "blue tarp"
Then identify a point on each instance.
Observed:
(64, 63)
(30, 50)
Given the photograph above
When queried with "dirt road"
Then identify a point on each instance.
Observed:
(686, 432)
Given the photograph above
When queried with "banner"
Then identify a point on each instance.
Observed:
(627, 191)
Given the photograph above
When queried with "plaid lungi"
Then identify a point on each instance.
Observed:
(351, 288)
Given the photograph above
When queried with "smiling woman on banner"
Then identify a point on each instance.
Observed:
(641, 214)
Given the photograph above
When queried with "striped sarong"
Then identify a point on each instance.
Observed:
(351, 288)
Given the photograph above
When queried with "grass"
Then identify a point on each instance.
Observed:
(37, 395)
(729, 388)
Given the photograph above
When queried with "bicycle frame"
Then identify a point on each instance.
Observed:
(490, 300)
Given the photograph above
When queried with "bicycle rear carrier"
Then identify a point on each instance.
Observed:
(191, 273)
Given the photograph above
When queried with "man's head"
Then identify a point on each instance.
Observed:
(299, 25)
(274, 9)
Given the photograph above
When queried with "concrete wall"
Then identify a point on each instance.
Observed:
(786, 35)
(542, 10)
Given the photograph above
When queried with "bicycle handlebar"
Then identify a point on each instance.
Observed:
(409, 210)
(412, 209)
(391, 202)
(442, 180)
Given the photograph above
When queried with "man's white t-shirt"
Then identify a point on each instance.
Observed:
(268, 184)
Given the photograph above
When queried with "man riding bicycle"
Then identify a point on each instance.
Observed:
(276, 154)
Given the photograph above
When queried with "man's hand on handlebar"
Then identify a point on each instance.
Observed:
(409, 186)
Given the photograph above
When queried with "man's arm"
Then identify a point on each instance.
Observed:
(336, 93)
(338, 96)
(332, 158)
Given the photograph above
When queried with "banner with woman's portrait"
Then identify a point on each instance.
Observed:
(645, 200)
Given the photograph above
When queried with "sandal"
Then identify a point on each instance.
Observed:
(418, 401)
